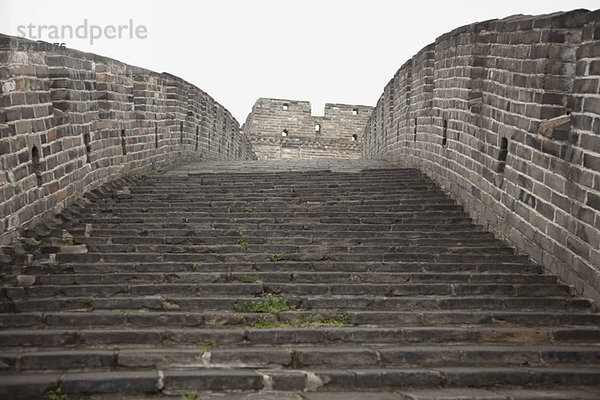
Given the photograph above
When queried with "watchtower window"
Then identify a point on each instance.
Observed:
(502, 154)
(415, 132)
(355, 111)
(155, 135)
(35, 159)
(88, 147)
(123, 142)
(445, 134)
(284, 133)
(318, 128)
(285, 107)
(354, 137)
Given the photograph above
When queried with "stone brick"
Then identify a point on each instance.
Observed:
(307, 136)
(593, 201)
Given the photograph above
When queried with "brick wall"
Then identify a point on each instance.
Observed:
(337, 134)
(70, 121)
(505, 114)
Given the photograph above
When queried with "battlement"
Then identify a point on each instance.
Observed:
(286, 129)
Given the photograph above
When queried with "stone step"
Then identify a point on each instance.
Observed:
(253, 247)
(258, 187)
(243, 209)
(487, 393)
(297, 225)
(476, 269)
(357, 202)
(346, 303)
(156, 221)
(266, 256)
(146, 289)
(125, 318)
(284, 277)
(201, 231)
(302, 357)
(294, 289)
(284, 336)
(400, 240)
(30, 386)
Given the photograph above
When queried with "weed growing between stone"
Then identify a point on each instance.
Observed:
(207, 345)
(319, 320)
(304, 321)
(266, 323)
(191, 396)
(249, 279)
(56, 394)
(271, 305)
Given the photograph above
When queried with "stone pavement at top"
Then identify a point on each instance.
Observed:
(320, 279)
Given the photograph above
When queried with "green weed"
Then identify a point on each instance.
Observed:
(270, 304)
(90, 301)
(191, 396)
(56, 394)
(242, 241)
(207, 345)
(265, 323)
(250, 279)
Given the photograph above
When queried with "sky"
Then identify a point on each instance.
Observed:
(323, 51)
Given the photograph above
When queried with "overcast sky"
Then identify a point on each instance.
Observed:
(342, 51)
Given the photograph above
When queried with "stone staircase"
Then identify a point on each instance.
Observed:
(350, 279)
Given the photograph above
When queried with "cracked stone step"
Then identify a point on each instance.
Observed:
(254, 247)
(283, 277)
(215, 239)
(202, 232)
(29, 386)
(409, 335)
(348, 303)
(475, 269)
(315, 357)
(295, 289)
(262, 257)
(125, 317)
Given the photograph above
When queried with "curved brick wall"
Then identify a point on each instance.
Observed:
(505, 114)
(70, 121)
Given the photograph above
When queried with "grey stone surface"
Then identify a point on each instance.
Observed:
(337, 134)
(27, 386)
(213, 380)
(450, 394)
(111, 382)
(350, 396)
